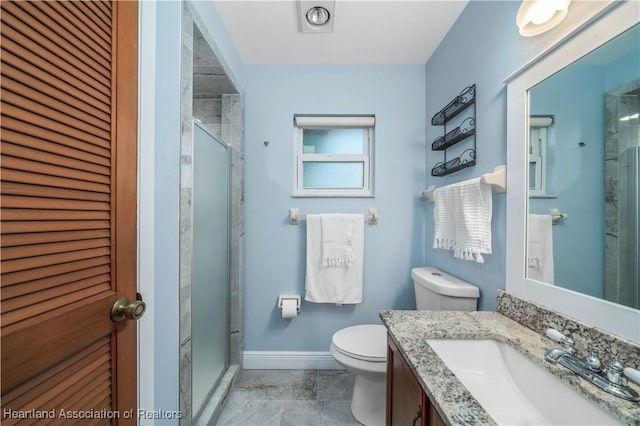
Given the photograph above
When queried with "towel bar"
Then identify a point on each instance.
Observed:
(557, 216)
(497, 179)
(295, 216)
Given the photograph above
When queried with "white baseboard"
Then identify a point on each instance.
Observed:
(289, 360)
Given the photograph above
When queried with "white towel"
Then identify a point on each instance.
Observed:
(462, 215)
(540, 248)
(337, 230)
(327, 284)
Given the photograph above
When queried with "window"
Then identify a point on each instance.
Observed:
(333, 156)
(538, 155)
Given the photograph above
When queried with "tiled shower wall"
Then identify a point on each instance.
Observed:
(619, 137)
(224, 118)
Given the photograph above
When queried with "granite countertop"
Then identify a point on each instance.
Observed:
(410, 329)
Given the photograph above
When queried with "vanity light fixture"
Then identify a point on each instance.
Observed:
(537, 16)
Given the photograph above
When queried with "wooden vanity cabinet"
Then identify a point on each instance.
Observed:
(407, 404)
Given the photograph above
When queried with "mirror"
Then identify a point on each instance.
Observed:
(575, 179)
(584, 159)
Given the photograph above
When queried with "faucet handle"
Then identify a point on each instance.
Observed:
(555, 335)
(592, 360)
(632, 374)
(566, 342)
(614, 372)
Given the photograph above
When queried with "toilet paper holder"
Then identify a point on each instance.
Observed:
(284, 297)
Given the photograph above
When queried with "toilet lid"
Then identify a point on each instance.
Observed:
(367, 342)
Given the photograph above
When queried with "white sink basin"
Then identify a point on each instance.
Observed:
(512, 389)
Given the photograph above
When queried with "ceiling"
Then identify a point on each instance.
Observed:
(365, 32)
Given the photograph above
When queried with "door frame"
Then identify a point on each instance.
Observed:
(158, 150)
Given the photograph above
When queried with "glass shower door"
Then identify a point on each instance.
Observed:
(210, 274)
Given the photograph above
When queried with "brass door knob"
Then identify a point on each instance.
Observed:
(124, 309)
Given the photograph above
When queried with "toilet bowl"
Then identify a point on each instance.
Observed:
(362, 349)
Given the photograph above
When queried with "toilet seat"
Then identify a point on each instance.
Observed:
(366, 342)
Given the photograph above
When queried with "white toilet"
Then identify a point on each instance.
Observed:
(362, 349)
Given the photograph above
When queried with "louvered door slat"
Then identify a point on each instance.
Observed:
(42, 296)
(18, 151)
(23, 96)
(84, 35)
(53, 170)
(27, 214)
(52, 226)
(70, 391)
(47, 389)
(41, 203)
(9, 318)
(49, 237)
(57, 182)
(88, 18)
(65, 40)
(40, 119)
(105, 10)
(12, 188)
(22, 395)
(84, 107)
(12, 95)
(18, 252)
(65, 62)
(10, 266)
(27, 277)
(43, 137)
(46, 283)
(36, 67)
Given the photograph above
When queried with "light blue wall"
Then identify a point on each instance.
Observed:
(166, 187)
(482, 47)
(627, 67)
(275, 250)
(575, 97)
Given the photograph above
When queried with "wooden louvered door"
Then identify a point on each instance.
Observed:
(68, 210)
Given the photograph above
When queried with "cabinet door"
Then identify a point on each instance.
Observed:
(405, 398)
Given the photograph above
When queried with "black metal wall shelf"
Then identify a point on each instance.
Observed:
(466, 129)
(460, 133)
(458, 104)
(466, 159)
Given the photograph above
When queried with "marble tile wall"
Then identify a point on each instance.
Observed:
(232, 132)
(619, 137)
(186, 229)
(224, 117)
(209, 112)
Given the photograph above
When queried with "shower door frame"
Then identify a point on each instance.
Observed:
(227, 318)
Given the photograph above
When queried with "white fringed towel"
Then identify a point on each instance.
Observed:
(462, 215)
(330, 284)
(540, 248)
(337, 230)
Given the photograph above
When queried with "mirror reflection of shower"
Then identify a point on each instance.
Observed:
(622, 195)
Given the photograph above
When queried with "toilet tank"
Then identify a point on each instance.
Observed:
(439, 291)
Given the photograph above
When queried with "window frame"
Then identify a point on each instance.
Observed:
(366, 158)
(538, 156)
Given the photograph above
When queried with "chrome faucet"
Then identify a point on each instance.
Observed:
(613, 379)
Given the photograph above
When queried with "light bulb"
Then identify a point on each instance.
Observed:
(318, 15)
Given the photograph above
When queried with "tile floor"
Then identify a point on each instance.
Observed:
(290, 397)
